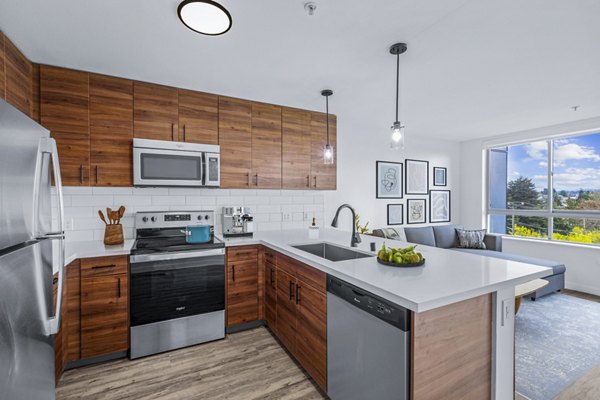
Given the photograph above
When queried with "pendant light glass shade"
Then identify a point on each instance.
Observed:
(204, 16)
(328, 153)
(397, 130)
(397, 138)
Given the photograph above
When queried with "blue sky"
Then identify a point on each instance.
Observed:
(576, 163)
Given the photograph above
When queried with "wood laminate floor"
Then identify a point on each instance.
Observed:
(246, 365)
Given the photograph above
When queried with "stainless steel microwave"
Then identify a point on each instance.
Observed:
(163, 163)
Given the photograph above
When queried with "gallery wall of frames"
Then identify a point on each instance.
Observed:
(419, 189)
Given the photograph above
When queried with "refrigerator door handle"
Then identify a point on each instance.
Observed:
(49, 146)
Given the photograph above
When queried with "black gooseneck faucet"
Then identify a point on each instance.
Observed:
(355, 236)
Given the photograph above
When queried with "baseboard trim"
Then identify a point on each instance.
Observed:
(95, 360)
(246, 326)
(582, 288)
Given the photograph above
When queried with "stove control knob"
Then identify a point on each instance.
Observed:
(206, 217)
(199, 217)
(153, 219)
(145, 219)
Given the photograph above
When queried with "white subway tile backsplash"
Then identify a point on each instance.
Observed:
(267, 206)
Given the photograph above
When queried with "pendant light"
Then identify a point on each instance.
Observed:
(204, 16)
(397, 133)
(328, 148)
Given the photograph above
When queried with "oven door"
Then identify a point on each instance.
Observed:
(160, 167)
(168, 286)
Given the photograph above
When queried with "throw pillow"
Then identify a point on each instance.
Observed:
(471, 239)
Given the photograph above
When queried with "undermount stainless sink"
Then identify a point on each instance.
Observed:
(332, 252)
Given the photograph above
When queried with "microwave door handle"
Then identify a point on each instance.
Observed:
(49, 146)
(204, 168)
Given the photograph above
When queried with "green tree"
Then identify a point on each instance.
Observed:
(521, 194)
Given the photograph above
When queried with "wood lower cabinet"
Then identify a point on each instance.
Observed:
(235, 139)
(104, 306)
(266, 146)
(198, 117)
(73, 310)
(64, 97)
(242, 285)
(155, 112)
(270, 296)
(111, 131)
(61, 350)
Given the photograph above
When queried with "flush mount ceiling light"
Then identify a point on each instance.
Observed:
(328, 148)
(204, 16)
(397, 134)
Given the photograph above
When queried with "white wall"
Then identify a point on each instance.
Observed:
(582, 261)
(359, 147)
(272, 209)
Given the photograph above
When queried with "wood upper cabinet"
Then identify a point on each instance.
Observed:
(17, 78)
(242, 285)
(296, 148)
(111, 131)
(64, 97)
(235, 138)
(104, 306)
(323, 176)
(2, 68)
(198, 117)
(156, 111)
(266, 146)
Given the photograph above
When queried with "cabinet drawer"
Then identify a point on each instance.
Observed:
(245, 253)
(287, 264)
(312, 276)
(103, 266)
(270, 256)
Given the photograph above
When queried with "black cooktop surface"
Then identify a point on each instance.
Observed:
(169, 240)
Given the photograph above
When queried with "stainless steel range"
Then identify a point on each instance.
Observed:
(177, 288)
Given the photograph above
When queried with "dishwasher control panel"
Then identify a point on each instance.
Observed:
(385, 310)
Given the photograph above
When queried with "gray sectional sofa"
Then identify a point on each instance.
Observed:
(444, 236)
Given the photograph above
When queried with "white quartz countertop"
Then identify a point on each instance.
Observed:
(448, 276)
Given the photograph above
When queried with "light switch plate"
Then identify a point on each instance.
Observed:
(506, 310)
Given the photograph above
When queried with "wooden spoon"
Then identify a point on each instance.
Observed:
(121, 214)
(102, 217)
(109, 213)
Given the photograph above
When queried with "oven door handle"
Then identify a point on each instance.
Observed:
(140, 258)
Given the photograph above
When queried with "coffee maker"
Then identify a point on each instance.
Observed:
(237, 222)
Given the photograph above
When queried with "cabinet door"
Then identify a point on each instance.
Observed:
(2, 68)
(155, 111)
(73, 315)
(266, 146)
(18, 78)
(104, 315)
(60, 339)
(198, 117)
(111, 131)
(65, 112)
(286, 310)
(323, 176)
(242, 292)
(235, 138)
(296, 149)
(311, 338)
(271, 295)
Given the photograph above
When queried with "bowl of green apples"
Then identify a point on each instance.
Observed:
(400, 257)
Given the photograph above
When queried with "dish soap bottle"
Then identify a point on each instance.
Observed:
(313, 230)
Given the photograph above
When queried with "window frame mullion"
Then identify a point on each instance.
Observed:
(550, 188)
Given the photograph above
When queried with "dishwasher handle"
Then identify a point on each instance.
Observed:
(378, 307)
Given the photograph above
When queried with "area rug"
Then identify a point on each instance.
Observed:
(557, 342)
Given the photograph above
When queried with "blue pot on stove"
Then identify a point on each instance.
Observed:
(196, 234)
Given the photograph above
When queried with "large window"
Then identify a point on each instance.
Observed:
(547, 189)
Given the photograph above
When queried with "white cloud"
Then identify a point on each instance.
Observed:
(537, 150)
(574, 179)
(572, 151)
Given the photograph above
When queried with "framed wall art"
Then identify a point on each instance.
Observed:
(439, 206)
(439, 176)
(388, 180)
(415, 211)
(417, 176)
(395, 214)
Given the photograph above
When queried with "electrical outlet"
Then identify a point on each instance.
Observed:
(286, 216)
(306, 217)
(69, 224)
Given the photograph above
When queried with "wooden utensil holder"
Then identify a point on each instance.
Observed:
(113, 234)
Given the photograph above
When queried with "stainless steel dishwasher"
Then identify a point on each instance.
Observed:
(368, 344)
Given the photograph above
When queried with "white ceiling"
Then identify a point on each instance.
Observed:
(474, 68)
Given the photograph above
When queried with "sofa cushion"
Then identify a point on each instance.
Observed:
(422, 235)
(471, 239)
(557, 267)
(445, 236)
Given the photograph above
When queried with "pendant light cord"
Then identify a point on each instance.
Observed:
(397, 82)
(327, 116)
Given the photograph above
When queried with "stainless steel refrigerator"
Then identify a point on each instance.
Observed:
(30, 253)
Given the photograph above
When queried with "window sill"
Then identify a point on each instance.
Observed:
(552, 242)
